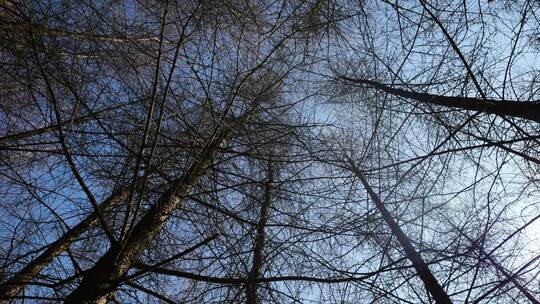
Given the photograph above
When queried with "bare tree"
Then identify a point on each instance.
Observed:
(302, 151)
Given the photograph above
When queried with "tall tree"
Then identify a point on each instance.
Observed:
(306, 151)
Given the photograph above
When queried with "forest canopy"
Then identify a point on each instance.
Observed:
(283, 151)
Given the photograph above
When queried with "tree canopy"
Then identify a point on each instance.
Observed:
(284, 151)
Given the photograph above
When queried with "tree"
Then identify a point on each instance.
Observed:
(321, 151)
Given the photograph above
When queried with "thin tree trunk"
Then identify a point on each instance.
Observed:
(528, 110)
(509, 276)
(13, 286)
(431, 283)
(255, 273)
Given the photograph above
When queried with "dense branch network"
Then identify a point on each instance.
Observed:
(199, 151)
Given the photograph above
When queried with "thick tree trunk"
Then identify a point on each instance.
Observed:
(13, 286)
(111, 268)
(528, 110)
(431, 283)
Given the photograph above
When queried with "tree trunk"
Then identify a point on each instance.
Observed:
(254, 274)
(508, 276)
(528, 110)
(14, 285)
(431, 283)
(111, 268)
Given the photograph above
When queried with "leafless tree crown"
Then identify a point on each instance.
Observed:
(284, 151)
